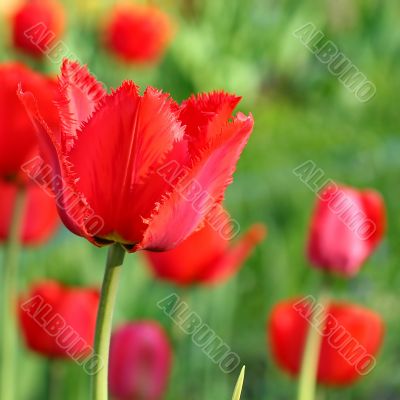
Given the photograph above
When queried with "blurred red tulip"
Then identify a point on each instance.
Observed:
(18, 141)
(205, 256)
(138, 33)
(140, 362)
(346, 227)
(40, 216)
(138, 170)
(352, 337)
(37, 25)
(59, 321)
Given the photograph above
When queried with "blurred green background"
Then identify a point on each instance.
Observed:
(302, 113)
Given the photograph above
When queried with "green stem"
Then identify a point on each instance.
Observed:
(115, 259)
(322, 395)
(177, 331)
(9, 299)
(54, 379)
(309, 366)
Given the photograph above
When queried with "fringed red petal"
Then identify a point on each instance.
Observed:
(124, 141)
(79, 95)
(198, 111)
(203, 187)
(72, 206)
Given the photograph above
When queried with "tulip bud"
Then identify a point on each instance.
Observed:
(40, 219)
(138, 33)
(59, 321)
(18, 140)
(140, 361)
(346, 227)
(37, 25)
(352, 335)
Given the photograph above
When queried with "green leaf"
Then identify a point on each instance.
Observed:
(239, 385)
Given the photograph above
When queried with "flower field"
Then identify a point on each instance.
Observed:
(189, 187)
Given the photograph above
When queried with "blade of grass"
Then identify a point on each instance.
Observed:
(239, 385)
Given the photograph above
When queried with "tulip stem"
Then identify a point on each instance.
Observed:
(108, 296)
(309, 367)
(54, 379)
(9, 298)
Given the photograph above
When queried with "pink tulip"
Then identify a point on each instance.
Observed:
(140, 361)
(346, 227)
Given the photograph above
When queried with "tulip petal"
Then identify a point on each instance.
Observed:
(140, 361)
(72, 206)
(127, 137)
(155, 186)
(80, 94)
(346, 227)
(198, 111)
(17, 139)
(40, 215)
(178, 215)
(138, 33)
(37, 26)
(374, 208)
(41, 220)
(231, 261)
(188, 261)
(352, 337)
(73, 310)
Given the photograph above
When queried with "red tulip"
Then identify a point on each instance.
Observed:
(205, 256)
(37, 25)
(352, 335)
(40, 215)
(59, 321)
(138, 170)
(138, 33)
(346, 227)
(140, 362)
(18, 141)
